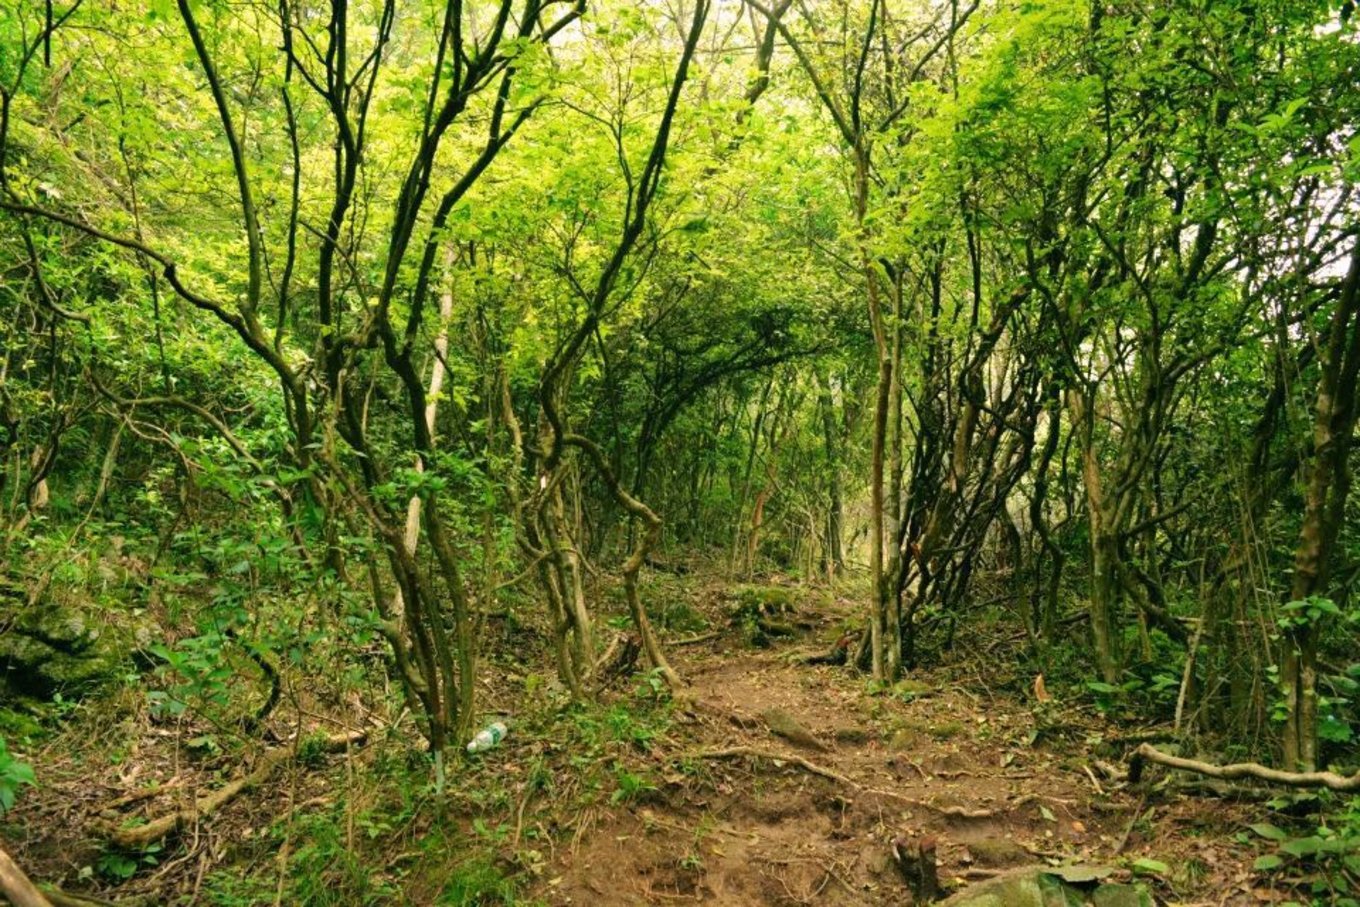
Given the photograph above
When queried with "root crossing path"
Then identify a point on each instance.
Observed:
(785, 783)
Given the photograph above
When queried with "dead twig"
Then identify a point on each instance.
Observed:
(1128, 829)
(961, 812)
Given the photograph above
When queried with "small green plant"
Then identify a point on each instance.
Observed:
(625, 727)
(198, 676)
(14, 774)
(497, 835)
(312, 750)
(653, 686)
(1109, 697)
(1336, 690)
(475, 884)
(1322, 862)
(631, 787)
(119, 865)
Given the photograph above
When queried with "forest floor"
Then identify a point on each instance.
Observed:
(996, 781)
(769, 781)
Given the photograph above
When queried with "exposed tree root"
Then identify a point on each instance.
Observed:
(1330, 780)
(734, 752)
(142, 835)
(61, 898)
(16, 886)
(110, 809)
(961, 812)
(695, 640)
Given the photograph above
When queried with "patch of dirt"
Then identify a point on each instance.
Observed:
(954, 763)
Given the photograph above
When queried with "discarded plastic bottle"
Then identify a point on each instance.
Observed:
(487, 737)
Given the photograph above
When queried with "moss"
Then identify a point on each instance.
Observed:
(51, 650)
(946, 730)
(908, 689)
(906, 738)
(679, 616)
(1020, 891)
(16, 725)
(764, 599)
(1121, 896)
(857, 736)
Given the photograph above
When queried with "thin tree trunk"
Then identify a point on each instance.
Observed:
(1324, 507)
(1104, 589)
(835, 506)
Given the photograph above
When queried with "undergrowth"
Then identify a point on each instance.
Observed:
(388, 838)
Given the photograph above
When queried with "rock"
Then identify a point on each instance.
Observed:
(48, 649)
(1004, 891)
(1113, 895)
(1039, 887)
(782, 724)
(909, 689)
(1081, 873)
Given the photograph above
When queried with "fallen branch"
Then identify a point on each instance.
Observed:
(1330, 780)
(17, 887)
(734, 752)
(142, 835)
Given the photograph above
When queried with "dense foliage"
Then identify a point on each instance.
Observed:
(344, 338)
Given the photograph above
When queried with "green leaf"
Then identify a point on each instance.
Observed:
(1268, 862)
(1303, 847)
(1269, 832)
(21, 773)
(1149, 866)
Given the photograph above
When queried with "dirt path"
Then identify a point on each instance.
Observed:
(935, 760)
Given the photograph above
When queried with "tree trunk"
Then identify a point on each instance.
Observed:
(835, 507)
(884, 633)
(1324, 507)
(1105, 585)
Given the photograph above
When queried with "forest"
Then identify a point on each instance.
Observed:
(742, 452)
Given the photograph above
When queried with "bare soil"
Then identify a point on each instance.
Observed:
(948, 759)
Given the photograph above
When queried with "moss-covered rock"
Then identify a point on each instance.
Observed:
(763, 601)
(1045, 888)
(48, 649)
(908, 689)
